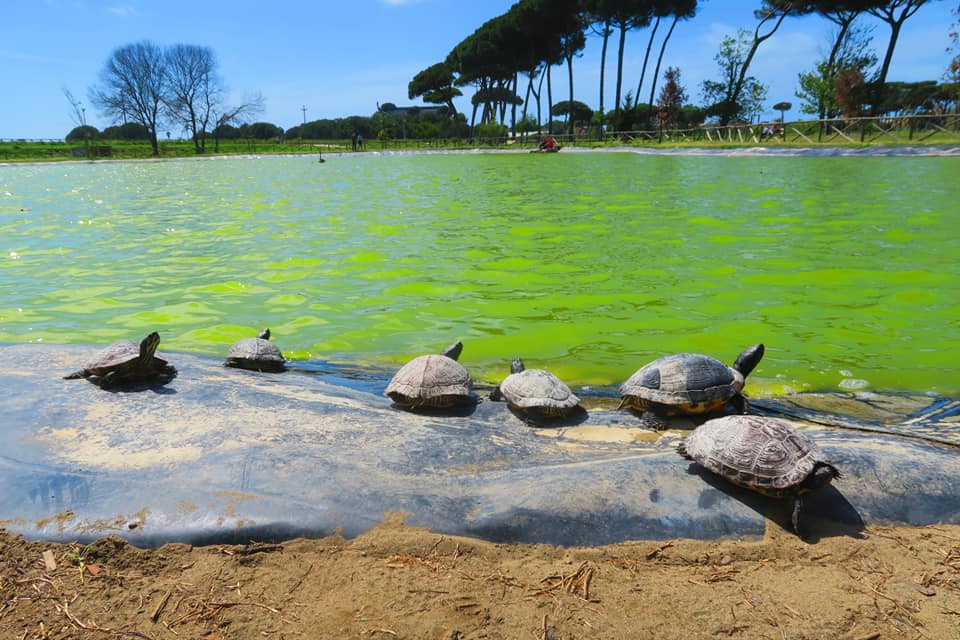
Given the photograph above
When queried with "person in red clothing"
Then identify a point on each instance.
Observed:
(548, 144)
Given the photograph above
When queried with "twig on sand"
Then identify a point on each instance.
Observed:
(251, 549)
(903, 613)
(160, 605)
(65, 610)
(577, 582)
(203, 609)
(297, 584)
(656, 553)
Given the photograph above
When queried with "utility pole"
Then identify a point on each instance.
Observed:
(304, 109)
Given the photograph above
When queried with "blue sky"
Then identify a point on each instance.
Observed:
(341, 58)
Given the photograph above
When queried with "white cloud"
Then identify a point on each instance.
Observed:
(122, 11)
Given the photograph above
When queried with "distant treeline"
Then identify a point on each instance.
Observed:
(424, 123)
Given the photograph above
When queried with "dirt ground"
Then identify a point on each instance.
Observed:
(403, 582)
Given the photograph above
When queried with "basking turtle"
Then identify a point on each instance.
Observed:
(536, 392)
(689, 383)
(432, 381)
(256, 354)
(125, 362)
(766, 455)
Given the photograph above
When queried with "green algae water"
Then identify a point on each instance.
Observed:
(590, 264)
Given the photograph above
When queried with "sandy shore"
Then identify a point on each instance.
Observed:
(402, 582)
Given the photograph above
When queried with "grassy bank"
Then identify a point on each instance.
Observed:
(793, 135)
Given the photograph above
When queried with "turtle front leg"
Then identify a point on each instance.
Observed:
(495, 395)
(107, 380)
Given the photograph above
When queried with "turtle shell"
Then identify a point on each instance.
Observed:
(118, 354)
(430, 381)
(682, 383)
(256, 354)
(767, 455)
(540, 391)
(122, 363)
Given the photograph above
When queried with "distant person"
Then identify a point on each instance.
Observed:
(548, 144)
(360, 141)
(353, 140)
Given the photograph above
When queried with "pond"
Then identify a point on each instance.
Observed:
(589, 264)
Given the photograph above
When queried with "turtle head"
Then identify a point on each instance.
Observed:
(822, 475)
(516, 366)
(749, 359)
(264, 335)
(453, 351)
(148, 346)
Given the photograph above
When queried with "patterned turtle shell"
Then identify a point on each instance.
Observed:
(432, 381)
(766, 455)
(256, 354)
(536, 391)
(688, 383)
(126, 362)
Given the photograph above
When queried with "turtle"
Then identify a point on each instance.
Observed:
(256, 354)
(767, 455)
(536, 393)
(432, 381)
(689, 383)
(126, 362)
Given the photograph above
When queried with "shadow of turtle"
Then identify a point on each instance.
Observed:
(463, 409)
(826, 513)
(158, 386)
(578, 415)
(660, 422)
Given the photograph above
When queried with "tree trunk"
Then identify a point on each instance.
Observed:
(603, 59)
(910, 7)
(473, 120)
(656, 72)
(526, 98)
(878, 90)
(646, 57)
(620, 47)
(757, 41)
(570, 77)
(539, 93)
(549, 102)
(513, 111)
(843, 20)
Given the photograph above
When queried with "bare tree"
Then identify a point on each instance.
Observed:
(224, 115)
(78, 114)
(194, 89)
(132, 86)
